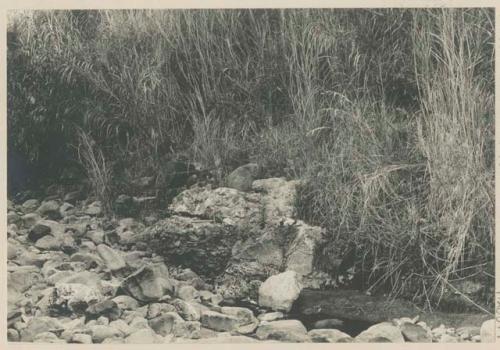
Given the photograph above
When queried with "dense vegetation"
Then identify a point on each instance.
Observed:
(387, 115)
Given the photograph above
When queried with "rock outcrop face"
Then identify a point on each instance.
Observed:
(202, 245)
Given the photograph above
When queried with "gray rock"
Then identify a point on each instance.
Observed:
(122, 326)
(48, 242)
(13, 218)
(285, 330)
(245, 316)
(30, 219)
(126, 302)
(67, 209)
(186, 310)
(165, 323)
(112, 259)
(381, 330)
(144, 336)
(280, 291)
(87, 278)
(219, 322)
(50, 210)
(149, 283)
(242, 178)
(74, 297)
(328, 323)
(30, 205)
(157, 309)
(415, 333)
(81, 338)
(271, 316)
(107, 308)
(329, 336)
(487, 331)
(187, 330)
(47, 337)
(12, 335)
(38, 231)
(100, 333)
(40, 325)
(187, 293)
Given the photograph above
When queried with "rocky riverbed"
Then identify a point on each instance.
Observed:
(225, 265)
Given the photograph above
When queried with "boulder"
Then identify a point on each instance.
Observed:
(81, 338)
(165, 323)
(144, 336)
(100, 333)
(202, 245)
(278, 198)
(381, 330)
(30, 206)
(67, 209)
(218, 321)
(329, 336)
(73, 297)
(301, 251)
(149, 283)
(111, 258)
(242, 177)
(50, 210)
(48, 242)
(271, 316)
(220, 203)
(38, 231)
(415, 333)
(487, 331)
(40, 325)
(279, 292)
(186, 310)
(245, 316)
(126, 302)
(284, 330)
(107, 308)
(47, 337)
(30, 219)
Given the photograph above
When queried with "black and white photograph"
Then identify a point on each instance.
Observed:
(250, 175)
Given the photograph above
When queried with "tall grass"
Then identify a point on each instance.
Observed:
(387, 116)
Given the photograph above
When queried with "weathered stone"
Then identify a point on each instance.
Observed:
(245, 316)
(188, 330)
(202, 245)
(87, 278)
(157, 309)
(144, 336)
(186, 310)
(301, 252)
(30, 219)
(13, 218)
(81, 338)
(50, 210)
(329, 336)
(47, 337)
(278, 198)
(122, 326)
(149, 283)
(12, 335)
(107, 308)
(138, 322)
(285, 330)
(328, 323)
(487, 331)
(73, 297)
(242, 177)
(94, 209)
(112, 258)
(100, 333)
(187, 293)
(30, 205)
(271, 316)
(126, 302)
(165, 323)
(219, 203)
(381, 330)
(280, 291)
(219, 322)
(67, 209)
(40, 325)
(38, 231)
(415, 333)
(48, 242)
